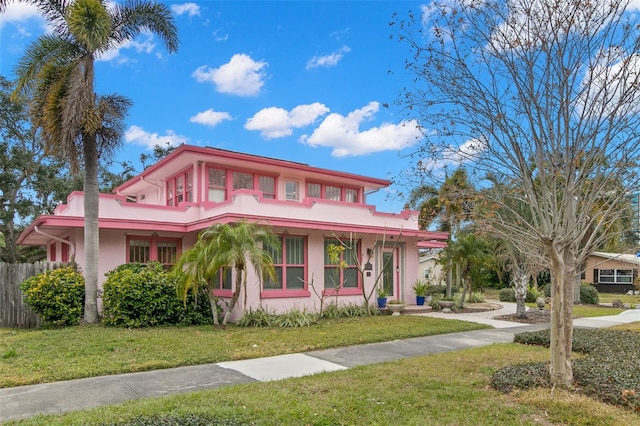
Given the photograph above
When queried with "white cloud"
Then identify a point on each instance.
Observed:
(210, 117)
(337, 35)
(330, 60)
(343, 134)
(142, 44)
(241, 76)
(277, 122)
(18, 12)
(190, 9)
(139, 136)
(219, 35)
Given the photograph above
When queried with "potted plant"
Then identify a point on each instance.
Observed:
(420, 289)
(382, 297)
(395, 306)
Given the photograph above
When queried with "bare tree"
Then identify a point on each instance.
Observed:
(543, 93)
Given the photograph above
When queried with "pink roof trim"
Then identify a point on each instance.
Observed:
(221, 153)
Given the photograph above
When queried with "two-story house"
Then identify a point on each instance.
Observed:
(159, 213)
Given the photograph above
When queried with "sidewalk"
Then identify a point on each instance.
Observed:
(59, 397)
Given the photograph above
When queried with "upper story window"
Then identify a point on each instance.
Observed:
(292, 190)
(332, 192)
(242, 180)
(217, 185)
(180, 188)
(289, 264)
(220, 180)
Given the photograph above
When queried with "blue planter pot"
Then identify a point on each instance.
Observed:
(420, 300)
(382, 302)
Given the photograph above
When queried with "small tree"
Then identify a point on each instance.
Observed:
(227, 246)
(544, 93)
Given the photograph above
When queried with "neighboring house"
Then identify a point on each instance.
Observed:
(611, 272)
(159, 213)
(429, 269)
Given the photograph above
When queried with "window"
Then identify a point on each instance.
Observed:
(615, 276)
(180, 188)
(334, 275)
(217, 185)
(139, 250)
(332, 192)
(291, 189)
(64, 251)
(153, 248)
(52, 252)
(242, 180)
(351, 195)
(289, 264)
(222, 279)
(268, 186)
(314, 190)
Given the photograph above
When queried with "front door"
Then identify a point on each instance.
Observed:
(388, 269)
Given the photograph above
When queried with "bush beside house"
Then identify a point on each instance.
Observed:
(137, 295)
(56, 295)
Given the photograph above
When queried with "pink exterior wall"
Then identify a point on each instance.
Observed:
(313, 218)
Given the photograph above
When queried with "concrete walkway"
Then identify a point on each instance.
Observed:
(59, 397)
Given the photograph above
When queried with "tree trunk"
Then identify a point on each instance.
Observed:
(449, 277)
(520, 279)
(213, 302)
(562, 280)
(236, 295)
(91, 229)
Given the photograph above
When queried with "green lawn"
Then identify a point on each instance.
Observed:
(442, 389)
(47, 355)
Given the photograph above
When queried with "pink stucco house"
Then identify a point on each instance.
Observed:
(159, 213)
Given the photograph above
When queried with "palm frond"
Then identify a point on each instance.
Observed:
(136, 16)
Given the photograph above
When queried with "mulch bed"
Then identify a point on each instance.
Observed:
(534, 316)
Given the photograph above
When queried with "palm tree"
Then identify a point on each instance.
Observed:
(227, 246)
(446, 208)
(194, 271)
(57, 70)
(466, 251)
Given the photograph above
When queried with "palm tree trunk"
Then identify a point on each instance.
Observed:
(91, 229)
(236, 294)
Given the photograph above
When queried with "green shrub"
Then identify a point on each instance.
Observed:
(260, 317)
(546, 290)
(476, 297)
(57, 295)
(294, 318)
(589, 294)
(609, 372)
(441, 290)
(137, 295)
(507, 295)
(532, 294)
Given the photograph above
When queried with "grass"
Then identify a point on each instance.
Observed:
(624, 298)
(47, 355)
(585, 311)
(442, 389)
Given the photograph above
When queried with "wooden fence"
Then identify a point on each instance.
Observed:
(13, 312)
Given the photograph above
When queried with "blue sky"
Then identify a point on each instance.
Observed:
(299, 80)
